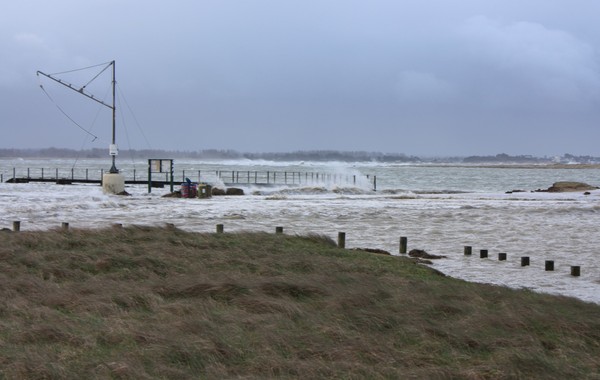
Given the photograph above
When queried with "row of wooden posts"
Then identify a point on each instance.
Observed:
(525, 261)
(341, 242)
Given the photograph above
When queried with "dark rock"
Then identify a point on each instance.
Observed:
(563, 187)
(124, 193)
(374, 250)
(424, 255)
(175, 194)
(217, 191)
(234, 191)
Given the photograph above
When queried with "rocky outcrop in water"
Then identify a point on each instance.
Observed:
(563, 187)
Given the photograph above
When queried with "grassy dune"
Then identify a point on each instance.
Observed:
(150, 303)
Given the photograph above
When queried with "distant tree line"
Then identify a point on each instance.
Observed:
(316, 155)
(311, 155)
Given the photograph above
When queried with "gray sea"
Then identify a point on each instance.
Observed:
(439, 208)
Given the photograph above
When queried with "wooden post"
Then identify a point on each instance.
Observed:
(64, 226)
(220, 228)
(374, 183)
(524, 261)
(483, 253)
(468, 250)
(502, 256)
(341, 239)
(549, 265)
(575, 270)
(278, 230)
(16, 226)
(403, 243)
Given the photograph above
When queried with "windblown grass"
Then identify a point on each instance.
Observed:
(163, 303)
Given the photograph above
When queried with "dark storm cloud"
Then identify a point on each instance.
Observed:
(426, 78)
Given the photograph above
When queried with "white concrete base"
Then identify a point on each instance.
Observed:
(113, 183)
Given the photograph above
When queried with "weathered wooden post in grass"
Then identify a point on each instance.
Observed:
(16, 226)
(341, 239)
(483, 253)
(403, 244)
(549, 265)
(468, 250)
(575, 271)
(278, 230)
(220, 228)
(525, 261)
(64, 226)
(502, 256)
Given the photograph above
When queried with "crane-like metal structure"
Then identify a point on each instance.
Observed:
(113, 151)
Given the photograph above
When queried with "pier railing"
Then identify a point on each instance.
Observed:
(227, 177)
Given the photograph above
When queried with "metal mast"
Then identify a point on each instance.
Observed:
(113, 151)
(113, 148)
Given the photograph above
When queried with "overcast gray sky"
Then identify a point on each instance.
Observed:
(422, 77)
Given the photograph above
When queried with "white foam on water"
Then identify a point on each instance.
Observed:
(544, 226)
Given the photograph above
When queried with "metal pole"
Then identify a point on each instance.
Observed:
(149, 176)
(113, 168)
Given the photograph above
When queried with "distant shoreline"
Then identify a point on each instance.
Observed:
(494, 161)
(517, 166)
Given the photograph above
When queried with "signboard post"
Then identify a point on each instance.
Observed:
(159, 165)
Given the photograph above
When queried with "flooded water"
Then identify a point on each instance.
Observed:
(439, 209)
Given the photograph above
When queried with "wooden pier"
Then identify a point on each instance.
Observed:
(229, 178)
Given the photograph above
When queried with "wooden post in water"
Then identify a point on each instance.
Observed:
(575, 271)
(374, 183)
(403, 244)
(483, 253)
(502, 256)
(341, 239)
(64, 226)
(468, 250)
(278, 230)
(16, 226)
(549, 265)
(220, 228)
(525, 261)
